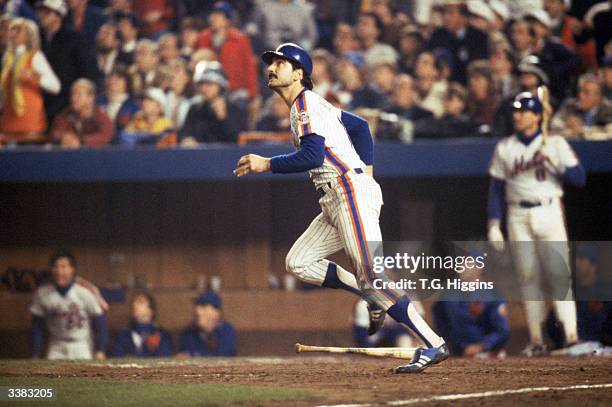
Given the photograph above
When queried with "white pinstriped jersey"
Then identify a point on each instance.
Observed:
(526, 178)
(310, 113)
(67, 317)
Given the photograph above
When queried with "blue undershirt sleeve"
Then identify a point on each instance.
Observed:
(359, 132)
(101, 331)
(311, 154)
(38, 336)
(575, 176)
(497, 197)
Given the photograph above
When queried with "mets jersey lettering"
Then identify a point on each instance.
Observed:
(525, 173)
(68, 316)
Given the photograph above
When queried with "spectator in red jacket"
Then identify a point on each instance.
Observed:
(82, 123)
(233, 49)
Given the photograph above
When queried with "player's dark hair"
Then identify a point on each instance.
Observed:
(63, 254)
(150, 300)
(306, 79)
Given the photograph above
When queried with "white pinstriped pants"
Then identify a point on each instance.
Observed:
(540, 253)
(349, 220)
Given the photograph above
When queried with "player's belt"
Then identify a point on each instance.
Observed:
(323, 189)
(530, 204)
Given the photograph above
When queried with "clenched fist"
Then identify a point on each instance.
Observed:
(251, 163)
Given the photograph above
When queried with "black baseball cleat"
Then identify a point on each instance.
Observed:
(423, 358)
(377, 318)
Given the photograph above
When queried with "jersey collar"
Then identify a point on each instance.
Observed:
(527, 140)
(64, 290)
(298, 95)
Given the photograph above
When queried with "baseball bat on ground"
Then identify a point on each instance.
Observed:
(399, 353)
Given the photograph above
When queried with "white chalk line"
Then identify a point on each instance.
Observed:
(494, 393)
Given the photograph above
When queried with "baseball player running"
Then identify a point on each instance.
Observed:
(65, 307)
(336, 148)
(527, 174)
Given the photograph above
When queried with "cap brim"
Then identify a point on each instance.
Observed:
(269, 56)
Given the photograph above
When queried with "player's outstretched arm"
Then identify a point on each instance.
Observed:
(311, 154)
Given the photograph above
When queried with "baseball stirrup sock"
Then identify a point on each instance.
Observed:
(336, 277)
(566, 313)
(535, 313)
(404, 312)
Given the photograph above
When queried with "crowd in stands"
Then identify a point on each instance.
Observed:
(96, 72)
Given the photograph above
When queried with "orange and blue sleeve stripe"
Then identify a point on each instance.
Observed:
(302, 107)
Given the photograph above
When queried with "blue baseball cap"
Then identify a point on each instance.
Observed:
(291, 52)
(527, 101)
(210, 297)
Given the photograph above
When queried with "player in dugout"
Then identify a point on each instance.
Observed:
(209, 334)
(143, 337)
(65, 309)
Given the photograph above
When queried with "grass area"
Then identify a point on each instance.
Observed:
(79, 392)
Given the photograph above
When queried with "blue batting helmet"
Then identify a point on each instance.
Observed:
(291, 52)
(527, 101)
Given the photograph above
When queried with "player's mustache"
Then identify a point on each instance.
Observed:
(271, 75)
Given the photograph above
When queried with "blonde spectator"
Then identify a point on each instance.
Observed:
(82, 123)
(26, 73)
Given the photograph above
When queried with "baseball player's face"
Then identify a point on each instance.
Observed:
(207, 317)
(526, 121)
(281, 74)
(63, 272)
(141, 311)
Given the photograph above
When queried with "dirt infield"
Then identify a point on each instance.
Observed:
(363, 380)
